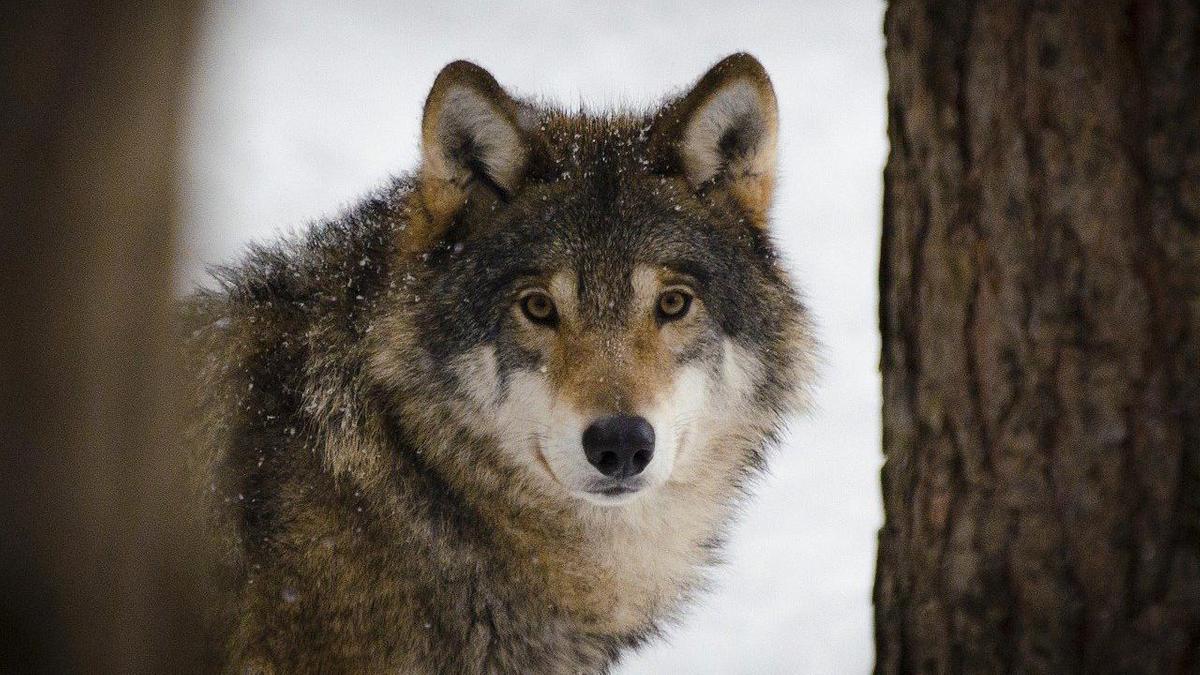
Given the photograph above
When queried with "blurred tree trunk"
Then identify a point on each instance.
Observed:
(1040, 312)
(98, 558)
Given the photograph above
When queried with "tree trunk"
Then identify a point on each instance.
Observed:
(99, 560)
(1040, 312)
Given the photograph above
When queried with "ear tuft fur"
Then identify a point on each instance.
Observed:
(723, 133)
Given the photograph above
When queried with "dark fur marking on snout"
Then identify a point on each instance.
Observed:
(706, 344)
(512, 356)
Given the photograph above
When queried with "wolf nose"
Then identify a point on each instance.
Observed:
(620, 445)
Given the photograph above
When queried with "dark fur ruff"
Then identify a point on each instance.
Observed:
(368, 524)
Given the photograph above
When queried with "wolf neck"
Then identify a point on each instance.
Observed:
(652, 554)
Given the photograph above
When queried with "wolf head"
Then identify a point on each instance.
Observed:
(599, 294)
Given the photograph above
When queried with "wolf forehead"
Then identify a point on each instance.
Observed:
(590, 144)
(587, 173)
(600, 208)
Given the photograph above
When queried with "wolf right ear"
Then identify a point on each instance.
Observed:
(473, 134)
(721, 135)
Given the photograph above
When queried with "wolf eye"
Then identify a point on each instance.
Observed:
(673, 304)
(539, 308)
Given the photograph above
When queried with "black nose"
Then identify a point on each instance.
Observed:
(619, 446)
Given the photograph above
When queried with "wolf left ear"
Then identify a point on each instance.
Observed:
(722, 134)
(473, 135)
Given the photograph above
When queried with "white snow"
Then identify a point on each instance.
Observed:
(300, 107)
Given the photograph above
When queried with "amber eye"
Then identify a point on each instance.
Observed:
(673, 304)
(539, 308)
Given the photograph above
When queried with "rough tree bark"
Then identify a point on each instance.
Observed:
(1040, 312)
(98, 559)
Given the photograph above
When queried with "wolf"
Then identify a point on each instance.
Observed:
(497, 416)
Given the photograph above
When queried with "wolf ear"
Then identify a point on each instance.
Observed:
(473, 134)
(722, 134)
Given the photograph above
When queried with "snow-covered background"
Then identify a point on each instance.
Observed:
(299, 107)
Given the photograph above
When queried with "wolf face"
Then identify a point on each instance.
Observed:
(599, 294)
(601, 389)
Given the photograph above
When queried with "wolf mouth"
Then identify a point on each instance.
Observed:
(618, 489)
(614, 491)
